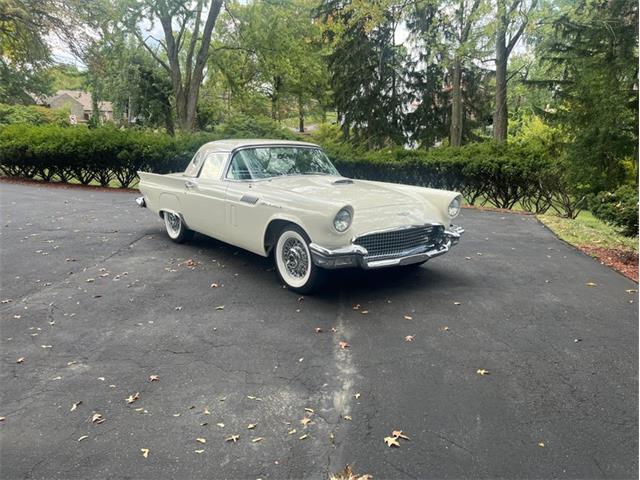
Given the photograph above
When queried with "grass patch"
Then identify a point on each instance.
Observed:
(587, 230)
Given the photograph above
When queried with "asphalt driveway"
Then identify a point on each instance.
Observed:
(96, 300)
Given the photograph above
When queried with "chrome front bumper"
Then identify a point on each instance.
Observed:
(355, 255)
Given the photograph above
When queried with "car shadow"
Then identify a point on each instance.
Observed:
(353, 281)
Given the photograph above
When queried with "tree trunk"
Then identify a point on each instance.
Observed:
(500, 115)
(455, 133)
(300, 114)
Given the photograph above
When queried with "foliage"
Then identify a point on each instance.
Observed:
(33, 115)
(106, 153)
(591, 51)
(487, 173)
(269, 59)
(24, 49)
(618, 208)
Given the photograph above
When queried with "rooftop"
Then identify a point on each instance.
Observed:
(232, 144)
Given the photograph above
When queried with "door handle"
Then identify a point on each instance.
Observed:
(190, 184)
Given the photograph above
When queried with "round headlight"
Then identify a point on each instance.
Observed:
(454, 206)
(342, 220)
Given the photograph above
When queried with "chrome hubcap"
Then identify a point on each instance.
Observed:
(295, 257)
(174, 222)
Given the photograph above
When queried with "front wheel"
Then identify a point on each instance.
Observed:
(293, 261)
(176, 228)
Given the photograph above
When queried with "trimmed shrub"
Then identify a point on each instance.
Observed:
(619, 208)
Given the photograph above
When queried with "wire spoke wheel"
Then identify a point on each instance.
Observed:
(293, 259)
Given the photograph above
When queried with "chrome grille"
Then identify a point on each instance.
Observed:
(402, 242)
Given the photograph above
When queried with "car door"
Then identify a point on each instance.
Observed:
(205, 197)
(246, 214)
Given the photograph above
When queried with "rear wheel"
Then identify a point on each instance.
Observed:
(293, 261)
(176, 228)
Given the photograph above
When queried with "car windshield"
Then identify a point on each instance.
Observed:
(267, 162)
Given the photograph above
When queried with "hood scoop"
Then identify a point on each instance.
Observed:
(342, 181)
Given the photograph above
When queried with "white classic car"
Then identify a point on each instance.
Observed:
(286, 199)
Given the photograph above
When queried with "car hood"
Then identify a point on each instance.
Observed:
(360, 194)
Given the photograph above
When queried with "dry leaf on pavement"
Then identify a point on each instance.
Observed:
(145, 452)
(409, 338)
(399, 434)
(232, 438)
(391, 441)
(344, 345)
(154, 378)
(75, 405)
(132, 398)
(201, 440)
(482, 372)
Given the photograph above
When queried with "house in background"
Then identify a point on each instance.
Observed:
(80, 105)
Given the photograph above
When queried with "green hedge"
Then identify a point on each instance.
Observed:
(619, 208)
(487, 173)
(500, 175)
(107, 153)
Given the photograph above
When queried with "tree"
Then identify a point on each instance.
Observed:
(511, 20)
(463, 21)
(274, 49)
(368, 70)
(183, 52)
(24, 51)
(590, 50)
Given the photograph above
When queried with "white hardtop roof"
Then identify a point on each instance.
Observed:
(232, 144)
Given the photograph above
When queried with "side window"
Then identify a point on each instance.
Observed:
(238, 169)
(194, 167)
(213, 163)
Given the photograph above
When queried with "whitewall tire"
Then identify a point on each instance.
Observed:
(293, 261)
(176, 228)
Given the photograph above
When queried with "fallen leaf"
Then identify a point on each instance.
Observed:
(399, 434)
(356, 306)
(408, 317)
(343, 345)
(347, 417)
(356, 396)
(591, 284)
(221, 425)
(292, 431)
(154, 378)
(303, 437)
(97, 418)
(214, 285)
(232, 438)
(251, 397)
(445, 328)
(46, 346)
(348, 474)
(482, 371)
(75, 405)
(257, 439)
(132, 398)
(541, 444)
(251, 426)
(318, 330)
(632, 291)
(409, 338)
(199, 450)
(306, 421)
(20, 360)
(145, 452)
(391, 441)
(83, 437)
(310, 410)
(220, 307)
(364, 312)
(201, 440)
(177, 414)
(457, 303)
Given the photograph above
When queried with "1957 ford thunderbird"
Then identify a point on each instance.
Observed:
(286, 199)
